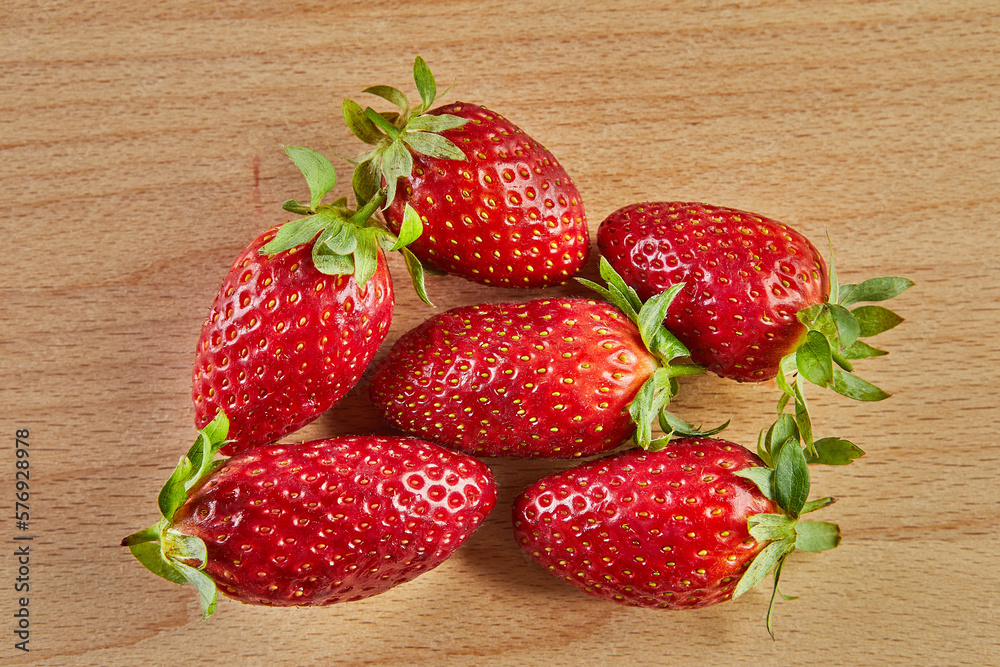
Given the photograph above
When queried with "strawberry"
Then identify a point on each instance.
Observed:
(759, 301)
(284, 342)
(558, 377)
(696, 523)
(746, 278)
(299, 316)
(314, 523)
(494, 205)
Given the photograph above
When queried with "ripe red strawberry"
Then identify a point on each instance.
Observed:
(665, 529)
(283, 341)
(758, 301)
(508, 215)
(548, 377)
(746, 279)
(496, 206)
(298, 318)
(314, 523)
(680, 528)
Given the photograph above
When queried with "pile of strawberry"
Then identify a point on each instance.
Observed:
(679, 520)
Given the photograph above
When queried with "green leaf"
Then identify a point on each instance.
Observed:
(390, 94)
(781, 379)
(823, 322)
(296, 232)
(763, 563)
(416, 271)
(605, 293)
(672, 424)
(435, 123)
(425, 82)
(151, 534)
(433, 145)
(762, 477)
(769, 620)
(834, 452)
(179, 546)
(208, 594)
(862, 350)
(854, 387)
(791, 479)
(874, 289)
(762, 452)
(193, 466)
(332, 264)
(831, 273)
(814, 359)
(817, 504)
(296, 207)
(782, 430)
(386, 240)
(410, 228)
(787, 364)
(317, 169)
(365, 257)
(652, 397)
(816, 535)
(658, 444)
(149, 554)
(396, 163)
(846, 324)
(201, 456)
(617, 283)
(340, 238)
(657, 338)
(783, 402)
(802, 419)
(217, 430)
(362, 126)
(874, 320)
(771, 527)
(810, 315)
(365, 181)
(173, 494)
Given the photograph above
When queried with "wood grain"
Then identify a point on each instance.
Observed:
(140, 149)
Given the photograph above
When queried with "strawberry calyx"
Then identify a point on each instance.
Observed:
(654, 395)
(833, 341)
(345, 241)
(785, 480)
(166, 552)
(394, 134)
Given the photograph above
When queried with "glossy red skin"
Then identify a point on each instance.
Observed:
(473, 378)
(509, 215)
(746, 278)
(284, 342)
(334, 520)
(665, 529)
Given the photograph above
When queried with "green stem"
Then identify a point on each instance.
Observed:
(369, 208)
(683, 370)
(151, 534)
(382, 123)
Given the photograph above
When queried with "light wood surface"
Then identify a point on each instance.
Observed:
(140, 149)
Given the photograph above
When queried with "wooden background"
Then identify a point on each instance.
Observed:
(140, 149)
